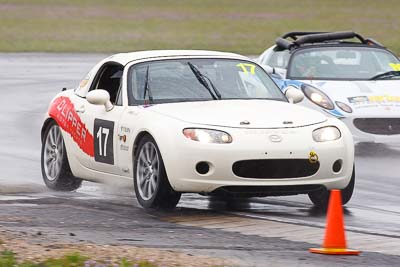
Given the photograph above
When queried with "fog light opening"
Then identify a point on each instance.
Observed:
(337, 166)
(202, 167)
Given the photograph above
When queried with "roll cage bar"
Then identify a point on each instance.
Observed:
(298, 39)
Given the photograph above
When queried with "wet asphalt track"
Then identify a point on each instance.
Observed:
(27, 84)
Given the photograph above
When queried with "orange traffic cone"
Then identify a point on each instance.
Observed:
(335, 240)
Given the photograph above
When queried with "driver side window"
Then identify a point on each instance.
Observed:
(109, 78)
(278, 59)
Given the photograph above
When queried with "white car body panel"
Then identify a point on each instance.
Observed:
(165, 123)
(211, 113)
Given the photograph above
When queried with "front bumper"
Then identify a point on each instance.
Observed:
(254, 144)
(363, 136)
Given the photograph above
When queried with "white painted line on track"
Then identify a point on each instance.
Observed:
(288, 229)
(314, 224)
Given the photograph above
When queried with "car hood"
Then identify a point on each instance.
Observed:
(366, 97)
(241, 113)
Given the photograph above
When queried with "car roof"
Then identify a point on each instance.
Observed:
(125, 58)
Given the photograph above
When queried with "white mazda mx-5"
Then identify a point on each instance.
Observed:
(192, 121)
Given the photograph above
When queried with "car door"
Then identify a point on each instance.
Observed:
(102, 123)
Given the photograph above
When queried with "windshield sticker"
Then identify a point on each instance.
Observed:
(359, 100)
(247, 67)
(395, 66)
(85, 81)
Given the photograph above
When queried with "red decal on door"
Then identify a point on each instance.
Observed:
(63, 111)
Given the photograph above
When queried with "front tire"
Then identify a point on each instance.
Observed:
(152, 188)
(320, 198)
(56, 171)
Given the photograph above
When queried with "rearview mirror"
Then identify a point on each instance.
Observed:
(274, 72)
(268, 69)
(294, 94)
(100, 97)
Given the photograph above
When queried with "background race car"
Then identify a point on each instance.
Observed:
(344, 75)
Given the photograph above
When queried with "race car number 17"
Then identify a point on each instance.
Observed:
(395, 66)
(104, 141)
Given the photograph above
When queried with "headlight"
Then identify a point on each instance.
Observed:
(328, 133)
(317, 96)
(207, 136)
(344, 107)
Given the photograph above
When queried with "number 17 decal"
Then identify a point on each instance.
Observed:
(104, 141)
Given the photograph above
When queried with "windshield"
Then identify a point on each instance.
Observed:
(192, 79)
(341, 63)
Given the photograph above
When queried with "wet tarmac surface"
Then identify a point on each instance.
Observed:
(111, 215)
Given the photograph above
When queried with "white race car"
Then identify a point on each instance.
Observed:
(192, 121)
(355, 81)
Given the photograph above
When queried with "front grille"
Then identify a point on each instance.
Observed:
(274, 168)
(384, 126)
(263, 191)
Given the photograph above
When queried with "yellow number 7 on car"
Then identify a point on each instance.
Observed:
(244, 67)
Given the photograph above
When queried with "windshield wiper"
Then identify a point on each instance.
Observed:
(203, 80)
(147, 87)
(386, 75)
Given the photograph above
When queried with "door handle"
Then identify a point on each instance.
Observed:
(80, 110)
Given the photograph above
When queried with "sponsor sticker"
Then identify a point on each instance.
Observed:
(124, 147)
(375, 99)
(384, 99)
(358, 100)
(125, 129)
(63, 112)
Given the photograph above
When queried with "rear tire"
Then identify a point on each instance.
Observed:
(152, 188)
(56, 171)
(320, 198)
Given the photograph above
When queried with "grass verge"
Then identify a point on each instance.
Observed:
(246, 27)
(9, 259)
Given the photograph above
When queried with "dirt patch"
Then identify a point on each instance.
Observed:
(28, 248)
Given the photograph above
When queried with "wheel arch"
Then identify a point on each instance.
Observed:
(145, 132)
(139, 137)
(153, 134)
(45, 126)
